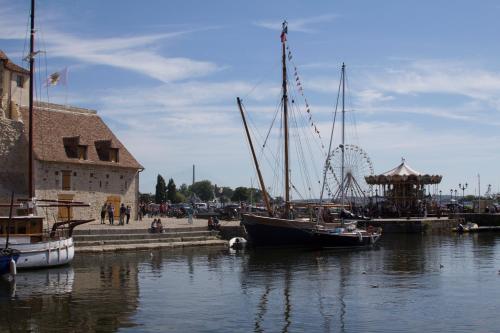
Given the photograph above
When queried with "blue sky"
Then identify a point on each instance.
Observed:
(424, 77)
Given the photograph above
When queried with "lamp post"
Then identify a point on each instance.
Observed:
(463, 187)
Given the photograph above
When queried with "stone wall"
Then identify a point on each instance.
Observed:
(90, 184)
(13, 160)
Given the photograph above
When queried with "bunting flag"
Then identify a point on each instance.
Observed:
(298, 84)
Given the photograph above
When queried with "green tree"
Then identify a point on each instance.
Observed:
(240, 194)
(255, 194)
(171, 191)
(203, 189)
(184, 190)
(161, 190)
(179, 197)
(146, 197)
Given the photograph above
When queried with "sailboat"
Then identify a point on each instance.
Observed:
(34, 246)
(286, 229)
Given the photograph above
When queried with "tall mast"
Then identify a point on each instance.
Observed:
(343, 139)
(32, 69)
(259, 174)
(285, 119)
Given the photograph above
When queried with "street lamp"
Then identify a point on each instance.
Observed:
(463, 187)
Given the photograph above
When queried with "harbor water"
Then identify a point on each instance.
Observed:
(408, 283)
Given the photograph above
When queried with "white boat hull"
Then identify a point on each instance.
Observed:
(45, 254)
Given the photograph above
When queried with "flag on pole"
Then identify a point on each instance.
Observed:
(284, 31)
(59, 77)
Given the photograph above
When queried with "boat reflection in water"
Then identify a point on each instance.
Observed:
(285, 288)
(96, 294)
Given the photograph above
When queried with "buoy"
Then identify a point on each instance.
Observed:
(237, 243)
(13, 267)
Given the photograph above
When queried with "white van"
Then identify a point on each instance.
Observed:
(201, 205)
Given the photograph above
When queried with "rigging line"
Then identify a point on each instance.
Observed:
(329, 152)
(305, 124)
(272, 125)
(301, 160)
(275, 65)
(256, 138)
(290, 59)
(306, 179)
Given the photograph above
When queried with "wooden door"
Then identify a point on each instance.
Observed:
(115, 201)
(63, 211)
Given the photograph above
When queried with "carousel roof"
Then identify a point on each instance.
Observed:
(402, 170)
(403, 173)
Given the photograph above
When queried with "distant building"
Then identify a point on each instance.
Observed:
(76, 157)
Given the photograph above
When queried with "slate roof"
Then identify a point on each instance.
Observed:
(56, 124)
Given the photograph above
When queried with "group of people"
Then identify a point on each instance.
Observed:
(213, 223)
(109, 210)
(156, 226)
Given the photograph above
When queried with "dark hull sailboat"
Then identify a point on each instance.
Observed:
(271, 231)
(276, 231)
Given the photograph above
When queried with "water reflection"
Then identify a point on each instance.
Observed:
(99, 294)
(405, 284)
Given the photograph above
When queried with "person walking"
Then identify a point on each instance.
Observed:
(190, 215)
(111, 213)
(103, 213)
(127, 213)
(122, 214)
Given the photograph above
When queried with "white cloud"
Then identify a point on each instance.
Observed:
(297, 24)
(442, 77)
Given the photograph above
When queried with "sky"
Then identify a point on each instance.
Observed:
(423, 78)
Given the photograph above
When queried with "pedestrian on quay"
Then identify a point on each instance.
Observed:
(190, 215)
(139, 213)
(123, 210)
(111, 213)
(127, 213)
(103, 213)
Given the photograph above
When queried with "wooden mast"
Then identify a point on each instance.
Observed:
(32, 69)
(285, 120)
(343, 143)
(261, 179)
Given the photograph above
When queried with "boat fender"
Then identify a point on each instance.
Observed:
(237, 242)
(13, 267)
(360, 235)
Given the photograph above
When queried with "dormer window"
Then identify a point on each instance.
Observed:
(113, 154)
(106, 152)
(74, 149)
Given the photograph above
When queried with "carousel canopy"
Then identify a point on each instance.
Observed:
(403, 173)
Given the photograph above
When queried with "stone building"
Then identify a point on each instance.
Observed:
(14, 88)
(76, 157)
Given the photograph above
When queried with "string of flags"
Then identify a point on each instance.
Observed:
(298, 83)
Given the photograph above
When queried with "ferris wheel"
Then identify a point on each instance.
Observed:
(357, 165)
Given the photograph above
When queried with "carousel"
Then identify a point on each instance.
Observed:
(403, 192)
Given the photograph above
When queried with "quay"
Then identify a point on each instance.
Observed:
(95, 237)
(482, 219)
(415, 224)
